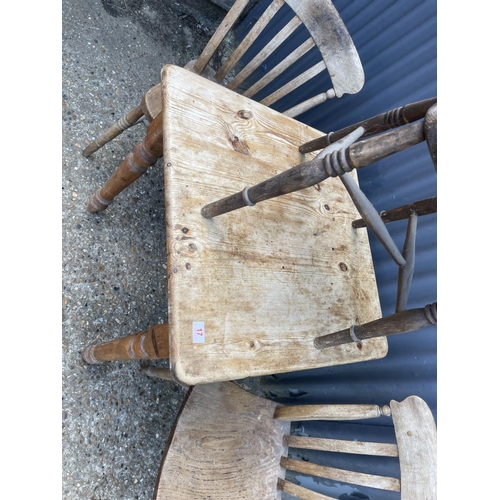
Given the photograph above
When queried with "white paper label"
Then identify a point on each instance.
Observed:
(198, 332)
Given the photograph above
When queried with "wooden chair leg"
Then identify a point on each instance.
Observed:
(400, 322)
(135, 164)
(151, 344)
(115, 130)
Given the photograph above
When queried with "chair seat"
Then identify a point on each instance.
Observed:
(224, 445)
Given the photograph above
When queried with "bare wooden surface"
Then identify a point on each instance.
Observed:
(114, 131)
(228, 444)
(336, 160)
(416, 437)
(334, 42)
(225, 445)
(431, 133)
(405, 273)
(376, 124)
(421, 207)
(342, 475)
(327, 412)
(150, 344)
(309, 103)
(342, 446)
(151, 102)
(279, 68)
(293, 84)
(400, 322)
(219, 35)
(132, 167)
(300, 491)
(268, 280)
(247, 42)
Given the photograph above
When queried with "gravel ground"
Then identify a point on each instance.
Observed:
(115, 418)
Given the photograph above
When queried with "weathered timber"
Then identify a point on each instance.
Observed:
(307, 174)
(430, 128)
(400, 322)
(125, 122)
(150, 344)
(223, 272)
(294, 413)
(376, 124)
(135, 164)
(342, 475)
(416, 436)
(405, 273)
(219, 35)
(277, 40)
(372, 219)
(328, 34)
(300, 491)
(211, 453)
(342, 445)
(422, 207)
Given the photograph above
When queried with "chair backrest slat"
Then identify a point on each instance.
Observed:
(219, 35)
(264, 53)
(329, 412)
(306, 105)
(278, 69)
(300, 491)
(252, 35)
(344, 476)
(342, 446)
(327, 33)
(293, 84)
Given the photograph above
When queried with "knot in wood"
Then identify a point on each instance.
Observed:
(245, 114)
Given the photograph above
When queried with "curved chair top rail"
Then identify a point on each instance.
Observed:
(327, 32)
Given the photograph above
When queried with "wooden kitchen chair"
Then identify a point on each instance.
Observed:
(328, 36)
(228, 443)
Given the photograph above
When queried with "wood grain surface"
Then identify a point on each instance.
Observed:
(416, 436)
(226, 445)
(265, 280)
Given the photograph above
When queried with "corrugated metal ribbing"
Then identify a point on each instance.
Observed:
(396, 41)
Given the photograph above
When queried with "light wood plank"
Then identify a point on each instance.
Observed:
(334, 42)
(219, 35)
(416, 436)
(342, 446)
(300, 491)
(225, 446)
(327, 412)
(293, 84)
(309, 103)
(345, 476)
(279, 68)
(251, 36)
(266, 280)
(277, 40)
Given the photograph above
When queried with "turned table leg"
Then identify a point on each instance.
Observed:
(151, 344)
(132, 167)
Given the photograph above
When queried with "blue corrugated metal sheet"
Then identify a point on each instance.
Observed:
(396, 41)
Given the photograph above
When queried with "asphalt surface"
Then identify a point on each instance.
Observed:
(115, 419)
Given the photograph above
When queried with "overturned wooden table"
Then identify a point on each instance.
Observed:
(249, 291)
